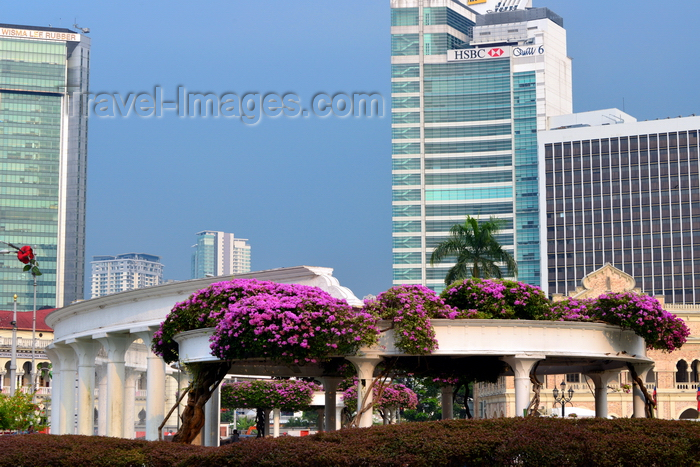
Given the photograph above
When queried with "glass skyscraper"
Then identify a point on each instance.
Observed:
(44, 73)
(218, 254)
(469, 93)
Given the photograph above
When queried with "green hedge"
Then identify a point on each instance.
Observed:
(499, 442)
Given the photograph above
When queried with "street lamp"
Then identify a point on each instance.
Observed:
(13, 360)
(562, 399)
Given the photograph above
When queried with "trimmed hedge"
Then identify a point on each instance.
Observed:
(496, 442)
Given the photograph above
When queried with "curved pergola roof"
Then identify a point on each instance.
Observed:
(144, 309)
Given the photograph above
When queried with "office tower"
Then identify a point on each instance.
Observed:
(43, 161)
(623, 192)
(112, 274)
(469, 93)
(218, 254)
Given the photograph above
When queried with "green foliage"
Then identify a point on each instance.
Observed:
(476, 250)
(18, 412)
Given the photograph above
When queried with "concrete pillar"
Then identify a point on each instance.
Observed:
(447, 402)
(66, 406)
(521, 366)
(212, 414)
(365, 374)
(330, 387)
(601, 380)
(102, 400)
(276, 423)
(115, 346)
(638, 398)
(86, 351)
(155, 389)
(321, 424)
(53, 356)
(130, 402)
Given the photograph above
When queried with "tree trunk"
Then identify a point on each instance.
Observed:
(260, 422)
(206, 377)
(533, 409)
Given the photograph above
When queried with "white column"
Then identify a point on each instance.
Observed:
(155, 389)
(601, 380)
(521, 366)
(212, 414)
(638, 404)
(276, 423)
(365, 374)
(69, 366)
(102, 401)
(330, 387)
(115, 346)
(53, 356)
(129, 402)
(86, 350)
(447, 394)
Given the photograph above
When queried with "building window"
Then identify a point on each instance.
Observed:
(682, 372)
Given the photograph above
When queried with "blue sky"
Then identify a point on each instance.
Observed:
(313, 191)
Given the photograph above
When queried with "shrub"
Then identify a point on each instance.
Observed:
(495, 442)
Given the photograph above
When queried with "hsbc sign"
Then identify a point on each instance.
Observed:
(467, 55)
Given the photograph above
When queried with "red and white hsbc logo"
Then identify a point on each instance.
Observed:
(463, 55)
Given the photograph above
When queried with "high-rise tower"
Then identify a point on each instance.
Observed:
(114, 274)
(218, 254)
(44, 75)
(469, 93)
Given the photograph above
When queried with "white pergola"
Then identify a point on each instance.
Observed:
(115, 321)
(598, 350)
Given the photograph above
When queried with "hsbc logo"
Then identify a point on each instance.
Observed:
(462, 55)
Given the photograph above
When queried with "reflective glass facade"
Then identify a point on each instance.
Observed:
(42, 169)
(464, 135)
(632, 201)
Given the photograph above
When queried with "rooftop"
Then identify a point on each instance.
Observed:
(37, 28)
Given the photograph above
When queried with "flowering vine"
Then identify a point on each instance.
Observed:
(410, 308)
(394, 395)
(497, 299)
(642, 314)
(287, 323)
(291, 395)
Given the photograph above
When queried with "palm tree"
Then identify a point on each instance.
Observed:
(476, 249)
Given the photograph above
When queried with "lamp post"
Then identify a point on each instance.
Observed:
(562, 398)
(34, 372)
(13, 360)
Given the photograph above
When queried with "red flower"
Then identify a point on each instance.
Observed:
(25, 254)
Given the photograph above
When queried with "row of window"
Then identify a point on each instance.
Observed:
(438, 210)
(459, 178)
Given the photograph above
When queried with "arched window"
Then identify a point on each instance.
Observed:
(682, 372)
(651, 377)
(695, 372)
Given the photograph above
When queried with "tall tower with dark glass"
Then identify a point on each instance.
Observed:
(44, 75)
(472, 83)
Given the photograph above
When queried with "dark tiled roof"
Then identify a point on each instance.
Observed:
(36, 28)
(24, 320)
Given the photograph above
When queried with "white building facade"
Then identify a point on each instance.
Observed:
(113, 274)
